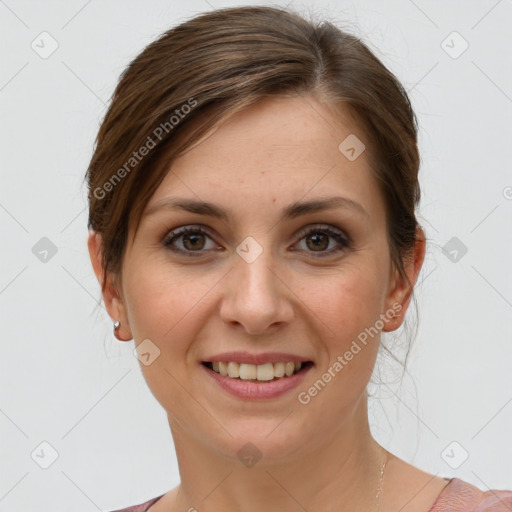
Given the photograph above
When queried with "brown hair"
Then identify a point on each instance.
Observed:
(219, 63)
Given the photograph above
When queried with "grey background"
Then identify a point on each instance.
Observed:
(66, 381)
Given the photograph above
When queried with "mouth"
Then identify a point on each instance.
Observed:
(262, 373)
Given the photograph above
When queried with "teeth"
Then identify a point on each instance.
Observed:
(247, 371)
(233, 370)
(279, 370)
(263, 372)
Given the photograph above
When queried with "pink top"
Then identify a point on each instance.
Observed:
(457, 496)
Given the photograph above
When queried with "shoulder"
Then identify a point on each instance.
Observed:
(461, 495)
(141, 507)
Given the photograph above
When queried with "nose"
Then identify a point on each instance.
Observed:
(256, 297)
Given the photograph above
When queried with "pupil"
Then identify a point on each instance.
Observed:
(317, 242)
(194, 237)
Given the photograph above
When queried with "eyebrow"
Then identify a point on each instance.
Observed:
(290, 212)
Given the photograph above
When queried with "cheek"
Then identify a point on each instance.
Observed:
(163, 302)
(346, 303)
(163, 307)
(346, 306)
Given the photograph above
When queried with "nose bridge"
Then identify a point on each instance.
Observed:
(256, 276)
(257, 297)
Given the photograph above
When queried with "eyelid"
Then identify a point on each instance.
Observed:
(324, 227)
(183, 230)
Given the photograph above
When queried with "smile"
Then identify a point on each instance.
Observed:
(252, 372)
(256, 382)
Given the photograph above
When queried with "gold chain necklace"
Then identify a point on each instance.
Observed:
(379, 488)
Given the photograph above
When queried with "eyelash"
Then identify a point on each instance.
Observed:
(342, 240)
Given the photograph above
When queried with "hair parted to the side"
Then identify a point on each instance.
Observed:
(220, 62)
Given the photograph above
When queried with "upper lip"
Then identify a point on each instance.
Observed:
(256, 359)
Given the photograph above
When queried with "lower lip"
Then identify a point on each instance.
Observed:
(255, 390)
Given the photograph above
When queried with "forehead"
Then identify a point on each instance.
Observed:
(283, 149)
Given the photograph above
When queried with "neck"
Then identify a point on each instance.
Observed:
(341, 473)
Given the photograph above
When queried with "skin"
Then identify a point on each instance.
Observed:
(290, 299)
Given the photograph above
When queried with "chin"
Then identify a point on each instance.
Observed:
(267, 441)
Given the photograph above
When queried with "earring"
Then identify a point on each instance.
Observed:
(116, 326)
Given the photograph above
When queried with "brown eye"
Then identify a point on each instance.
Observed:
(319, 238)
(193, 240)
(317, 241)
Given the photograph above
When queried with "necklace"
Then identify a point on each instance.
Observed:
(379, 488)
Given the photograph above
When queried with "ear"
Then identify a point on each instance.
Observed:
(399, 294)
(111, 296)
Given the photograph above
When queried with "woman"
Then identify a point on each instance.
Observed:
(252, 225)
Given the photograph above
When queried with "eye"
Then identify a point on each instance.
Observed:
(317, 240)
(194, 240)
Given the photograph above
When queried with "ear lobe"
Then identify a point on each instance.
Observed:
(401, 292)
(111, 296)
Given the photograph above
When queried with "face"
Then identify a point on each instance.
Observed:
(261, 282)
